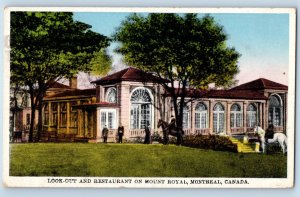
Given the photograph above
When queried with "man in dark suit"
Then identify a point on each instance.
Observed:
(105, 134)
(120, 133)
(147, 135)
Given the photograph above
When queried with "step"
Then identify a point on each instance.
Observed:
(243, 148)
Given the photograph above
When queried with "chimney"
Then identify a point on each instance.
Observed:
(73, 82)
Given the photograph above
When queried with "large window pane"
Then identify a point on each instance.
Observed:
(140, 113)
(218, 118)
(275, 111)
(200, 116)
(235, 116)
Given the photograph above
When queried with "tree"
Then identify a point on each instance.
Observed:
(46, 46)
(184, 49)
(100, 65)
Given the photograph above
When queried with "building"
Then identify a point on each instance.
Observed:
(133, 98)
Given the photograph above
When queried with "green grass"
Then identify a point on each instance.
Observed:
(138, 160)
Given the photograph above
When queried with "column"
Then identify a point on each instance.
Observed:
(228, 130)
(124, 116)
(245, 116)
(58, 118)
(260, 115)
(192, 118)
(285, 114)
(211, 114)
(68, 118)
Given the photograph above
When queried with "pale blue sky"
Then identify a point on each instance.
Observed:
(262, 39)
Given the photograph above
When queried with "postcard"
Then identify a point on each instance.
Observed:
(149, 97)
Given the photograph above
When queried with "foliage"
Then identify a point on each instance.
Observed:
(139, 160)
(138, 140)
(51, 44)
(46, 46)
(180, 48)
(101, 63)
(272, 148)
(214, 142)
(156, 137)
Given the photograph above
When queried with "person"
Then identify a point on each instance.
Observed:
(105, 134)
(172, 123)
(261, 135)
(147, 135)
(269, 132)
(120, 133)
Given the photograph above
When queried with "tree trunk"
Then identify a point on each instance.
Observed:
(33, 107)
(40, 116)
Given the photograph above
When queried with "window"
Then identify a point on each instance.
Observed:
(63, 114)
(140, 113)
(54, 114)
(185, 117)
(218, 118)
(73, 121)
(235, 116)
(108, 118)
(275, 111)
(111, 95)
(46, 114)
(200, 116)
(251, 116)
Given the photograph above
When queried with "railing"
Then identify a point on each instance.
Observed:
(201, 131)
(136, 132)
(250, 130)
(187, 131)
(239, 130)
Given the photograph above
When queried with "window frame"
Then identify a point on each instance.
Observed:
(199, 115)
(235, 114)
(250, 114)
(217, 115)
(140, 98)
(113, 124)
(108, 95)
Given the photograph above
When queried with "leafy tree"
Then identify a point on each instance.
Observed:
(184, 49)
(46, 46)
(100, 65)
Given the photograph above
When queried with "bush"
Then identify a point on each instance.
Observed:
(214, 142)
(138, 140)
(273, 148)
(156, 137)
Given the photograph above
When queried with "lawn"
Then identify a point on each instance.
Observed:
(139, 160)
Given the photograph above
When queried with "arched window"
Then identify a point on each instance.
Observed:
(201, 116)
(111, 95)
(185, 117)
(275, 111)
(218, 118)
(251, 115)
(235, 116)
(141, 110)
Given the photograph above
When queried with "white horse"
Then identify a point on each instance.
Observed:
(278, 137)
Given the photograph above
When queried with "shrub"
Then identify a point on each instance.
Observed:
(156, 137)
(273, 148)
(214, 142)
(138, 140)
